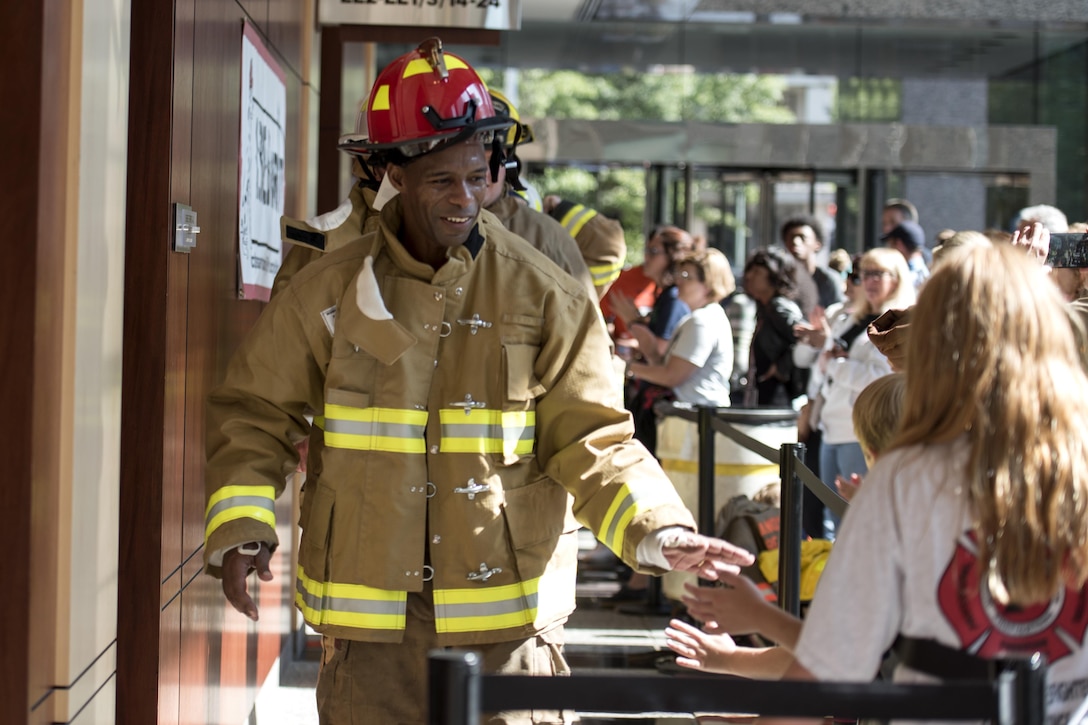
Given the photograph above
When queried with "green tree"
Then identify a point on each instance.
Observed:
(670, 95)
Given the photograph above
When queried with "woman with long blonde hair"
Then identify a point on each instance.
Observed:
(995, 363)
(972, 532)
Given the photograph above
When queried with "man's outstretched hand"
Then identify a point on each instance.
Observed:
(236, 567)
(704, 556)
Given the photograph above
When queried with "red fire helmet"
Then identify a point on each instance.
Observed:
(421, 102)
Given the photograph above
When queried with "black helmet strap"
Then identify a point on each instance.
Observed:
(468, 118)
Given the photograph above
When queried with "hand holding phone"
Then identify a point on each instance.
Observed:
(1068, 250)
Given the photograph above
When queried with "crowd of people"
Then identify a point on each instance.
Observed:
(442, 356)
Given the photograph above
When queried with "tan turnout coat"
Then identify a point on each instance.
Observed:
(467, 421)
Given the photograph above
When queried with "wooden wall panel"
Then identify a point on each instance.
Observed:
(184, 327)
(285, 19)
(257, 10)
(169, 692)
(21, 33)
(53, 358)
(177, 316)
(201, 607)
(329, 125)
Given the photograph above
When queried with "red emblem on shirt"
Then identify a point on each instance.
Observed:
(989, 629)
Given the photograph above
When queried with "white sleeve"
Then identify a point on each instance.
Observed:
(857, 610)
(804, 355)
(650, 549)
(864, 365)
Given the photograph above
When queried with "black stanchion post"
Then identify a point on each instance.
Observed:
(1022, 686)
(706, 471)
(789, 535)
(453, 688)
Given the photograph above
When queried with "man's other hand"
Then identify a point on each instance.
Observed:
(236, 567)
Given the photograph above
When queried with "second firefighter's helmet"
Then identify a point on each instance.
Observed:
(424, 101)
(519, 132)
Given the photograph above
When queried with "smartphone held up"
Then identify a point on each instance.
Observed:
(1068, 250)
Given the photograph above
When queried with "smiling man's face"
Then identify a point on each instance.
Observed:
(441, 197)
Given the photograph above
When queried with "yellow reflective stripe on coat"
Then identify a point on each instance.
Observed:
(605, 273)
(631, 500)
(484, 609)
(240, 502)
(487, 431)
(375, 429)
(576, 218)
(349, 605)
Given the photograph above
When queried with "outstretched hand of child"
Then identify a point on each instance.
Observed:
(733, 608)
(698, 650)
(848, 488)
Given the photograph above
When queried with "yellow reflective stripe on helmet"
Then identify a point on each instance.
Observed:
(375, 429)
(240, 502)
(422, 65)
(484, 609)
(349, 605)
(605, 273)
(487, 431)
(381, 99)
(576, 218)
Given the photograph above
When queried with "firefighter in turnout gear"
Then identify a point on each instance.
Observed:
(466, 425)
(600, 239)
(504, 201)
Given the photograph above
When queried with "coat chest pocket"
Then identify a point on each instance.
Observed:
(521, 340)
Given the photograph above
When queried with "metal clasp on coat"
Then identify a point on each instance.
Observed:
(445, 330)
(484, 574)
(428, 572)
(475, 323)
(468, 404)
(472, 488)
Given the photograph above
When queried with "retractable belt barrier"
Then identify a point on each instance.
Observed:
(459, 694)
(793, 473)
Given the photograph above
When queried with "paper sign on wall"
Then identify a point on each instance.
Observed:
(261, 167)
(484, 14)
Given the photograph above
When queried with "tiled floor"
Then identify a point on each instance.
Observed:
(288, 696)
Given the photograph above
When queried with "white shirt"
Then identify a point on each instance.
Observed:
(845, 377)
(705, 339)
(903, 563)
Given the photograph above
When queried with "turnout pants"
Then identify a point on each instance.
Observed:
(372, 683)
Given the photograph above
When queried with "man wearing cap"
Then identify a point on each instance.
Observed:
(909, 238)
(467, 423)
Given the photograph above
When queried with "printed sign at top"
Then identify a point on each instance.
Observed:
(483, 14)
